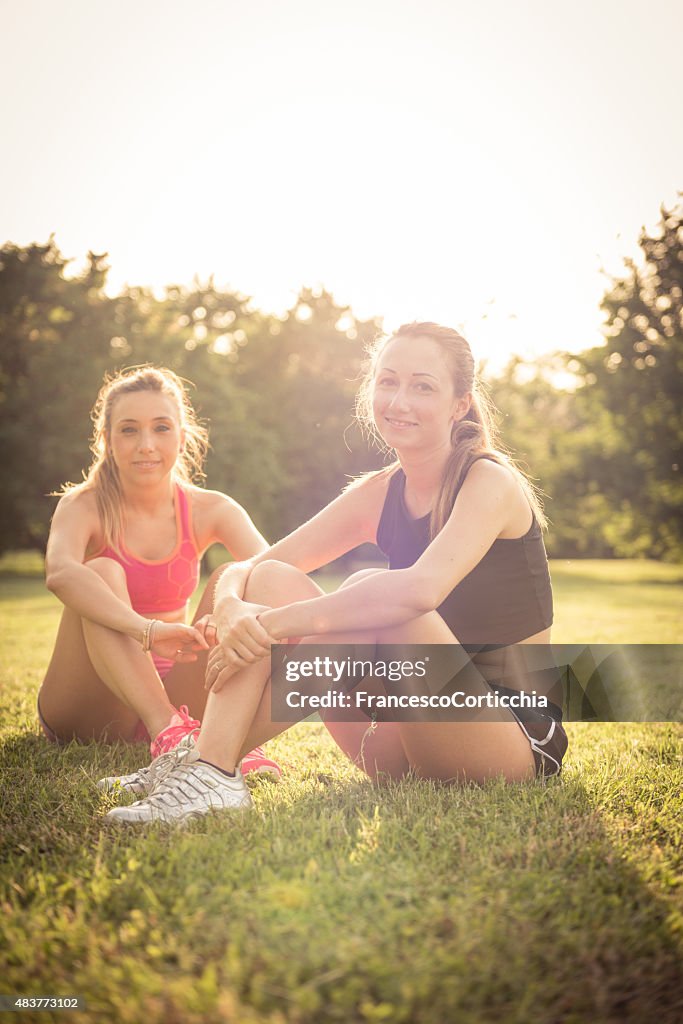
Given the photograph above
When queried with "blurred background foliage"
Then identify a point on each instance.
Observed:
(599, 430)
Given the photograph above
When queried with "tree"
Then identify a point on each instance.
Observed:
(632, 389)
(277, 393)
(303, 370)
(54, 348)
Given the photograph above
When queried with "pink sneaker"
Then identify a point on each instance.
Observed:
(257, 763)
(180, 726)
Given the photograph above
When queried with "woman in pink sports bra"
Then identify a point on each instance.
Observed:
(123, 558)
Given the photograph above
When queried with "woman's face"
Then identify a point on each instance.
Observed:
(145, 436)
(413, 403)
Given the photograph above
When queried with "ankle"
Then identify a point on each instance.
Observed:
(215, 758)
(229, 773)
(159, 720)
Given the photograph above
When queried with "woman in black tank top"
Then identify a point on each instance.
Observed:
(461, 528)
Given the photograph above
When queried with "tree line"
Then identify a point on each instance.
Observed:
(278, 396)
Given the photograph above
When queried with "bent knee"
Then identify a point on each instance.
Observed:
(360, 575)
(217, 573)
(110, 571)
(271, 578)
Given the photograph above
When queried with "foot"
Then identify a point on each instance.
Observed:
(191, 790)
(143, 781)
(256, 763)
(180, 726)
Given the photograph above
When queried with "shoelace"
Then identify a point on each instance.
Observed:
(184, 784)
(181, 725)
(150, 775)
(155, 773)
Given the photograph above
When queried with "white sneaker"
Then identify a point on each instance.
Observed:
(143, 781)
(190, 790)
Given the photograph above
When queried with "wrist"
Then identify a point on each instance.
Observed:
(272, 622)
(148, 634)
(138, 630)
(231, 582)
(222, 608)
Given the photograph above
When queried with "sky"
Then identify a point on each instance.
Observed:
(478, 164)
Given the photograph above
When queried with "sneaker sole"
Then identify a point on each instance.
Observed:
(178, 822)
(118, 790)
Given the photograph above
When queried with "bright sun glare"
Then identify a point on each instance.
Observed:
(446, 162)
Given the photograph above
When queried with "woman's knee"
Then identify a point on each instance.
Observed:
(112, 572)
(360, 575)
(272, 581)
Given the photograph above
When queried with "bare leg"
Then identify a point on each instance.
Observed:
(239, 716)
(99, 683)
(455, 750)
(376, 748)
(461, 750)
(74, 700)
(185, 682)
(229, 714)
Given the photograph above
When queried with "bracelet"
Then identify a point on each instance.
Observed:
(147, 635)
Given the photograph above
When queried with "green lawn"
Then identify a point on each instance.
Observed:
(339, 900)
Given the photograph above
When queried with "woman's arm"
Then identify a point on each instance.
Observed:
(488, 500)
(74, 525)
(219, 519)
(349, 520)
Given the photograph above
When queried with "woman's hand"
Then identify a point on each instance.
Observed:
(243, 641)
(176, 641)
(208, 628)
(239, 630)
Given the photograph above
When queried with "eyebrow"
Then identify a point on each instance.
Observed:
(129, 419)
(420, 373)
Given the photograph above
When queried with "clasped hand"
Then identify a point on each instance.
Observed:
(178, 642)
(242, 641)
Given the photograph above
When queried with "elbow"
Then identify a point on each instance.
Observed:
(54, 581)
(424, 603)
(422, 595)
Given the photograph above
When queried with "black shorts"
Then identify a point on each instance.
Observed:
(505, 671)
(545, 733)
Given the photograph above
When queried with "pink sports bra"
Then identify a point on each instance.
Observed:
(166, 585)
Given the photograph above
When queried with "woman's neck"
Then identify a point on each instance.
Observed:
(149, 501)
(424, 474)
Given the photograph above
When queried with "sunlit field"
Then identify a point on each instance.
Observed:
(341, 900)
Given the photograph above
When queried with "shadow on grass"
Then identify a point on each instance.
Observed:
(411, 900)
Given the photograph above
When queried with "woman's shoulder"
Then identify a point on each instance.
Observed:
(213, 513)
(77, 515)
(375, 483)
(493, 472)
(78, 501)
(490, 481)
(204, 500)
(366, 496)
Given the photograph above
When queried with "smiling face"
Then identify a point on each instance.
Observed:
(145, 436)
(413, 400)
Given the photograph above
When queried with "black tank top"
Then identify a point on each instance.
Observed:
(504, 599)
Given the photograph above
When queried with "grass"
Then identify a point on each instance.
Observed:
(617, 602)
(339, 900)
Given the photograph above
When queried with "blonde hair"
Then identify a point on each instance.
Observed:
(474, 435)
(103, 476)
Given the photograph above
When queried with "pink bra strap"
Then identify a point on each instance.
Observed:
(186, 531)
